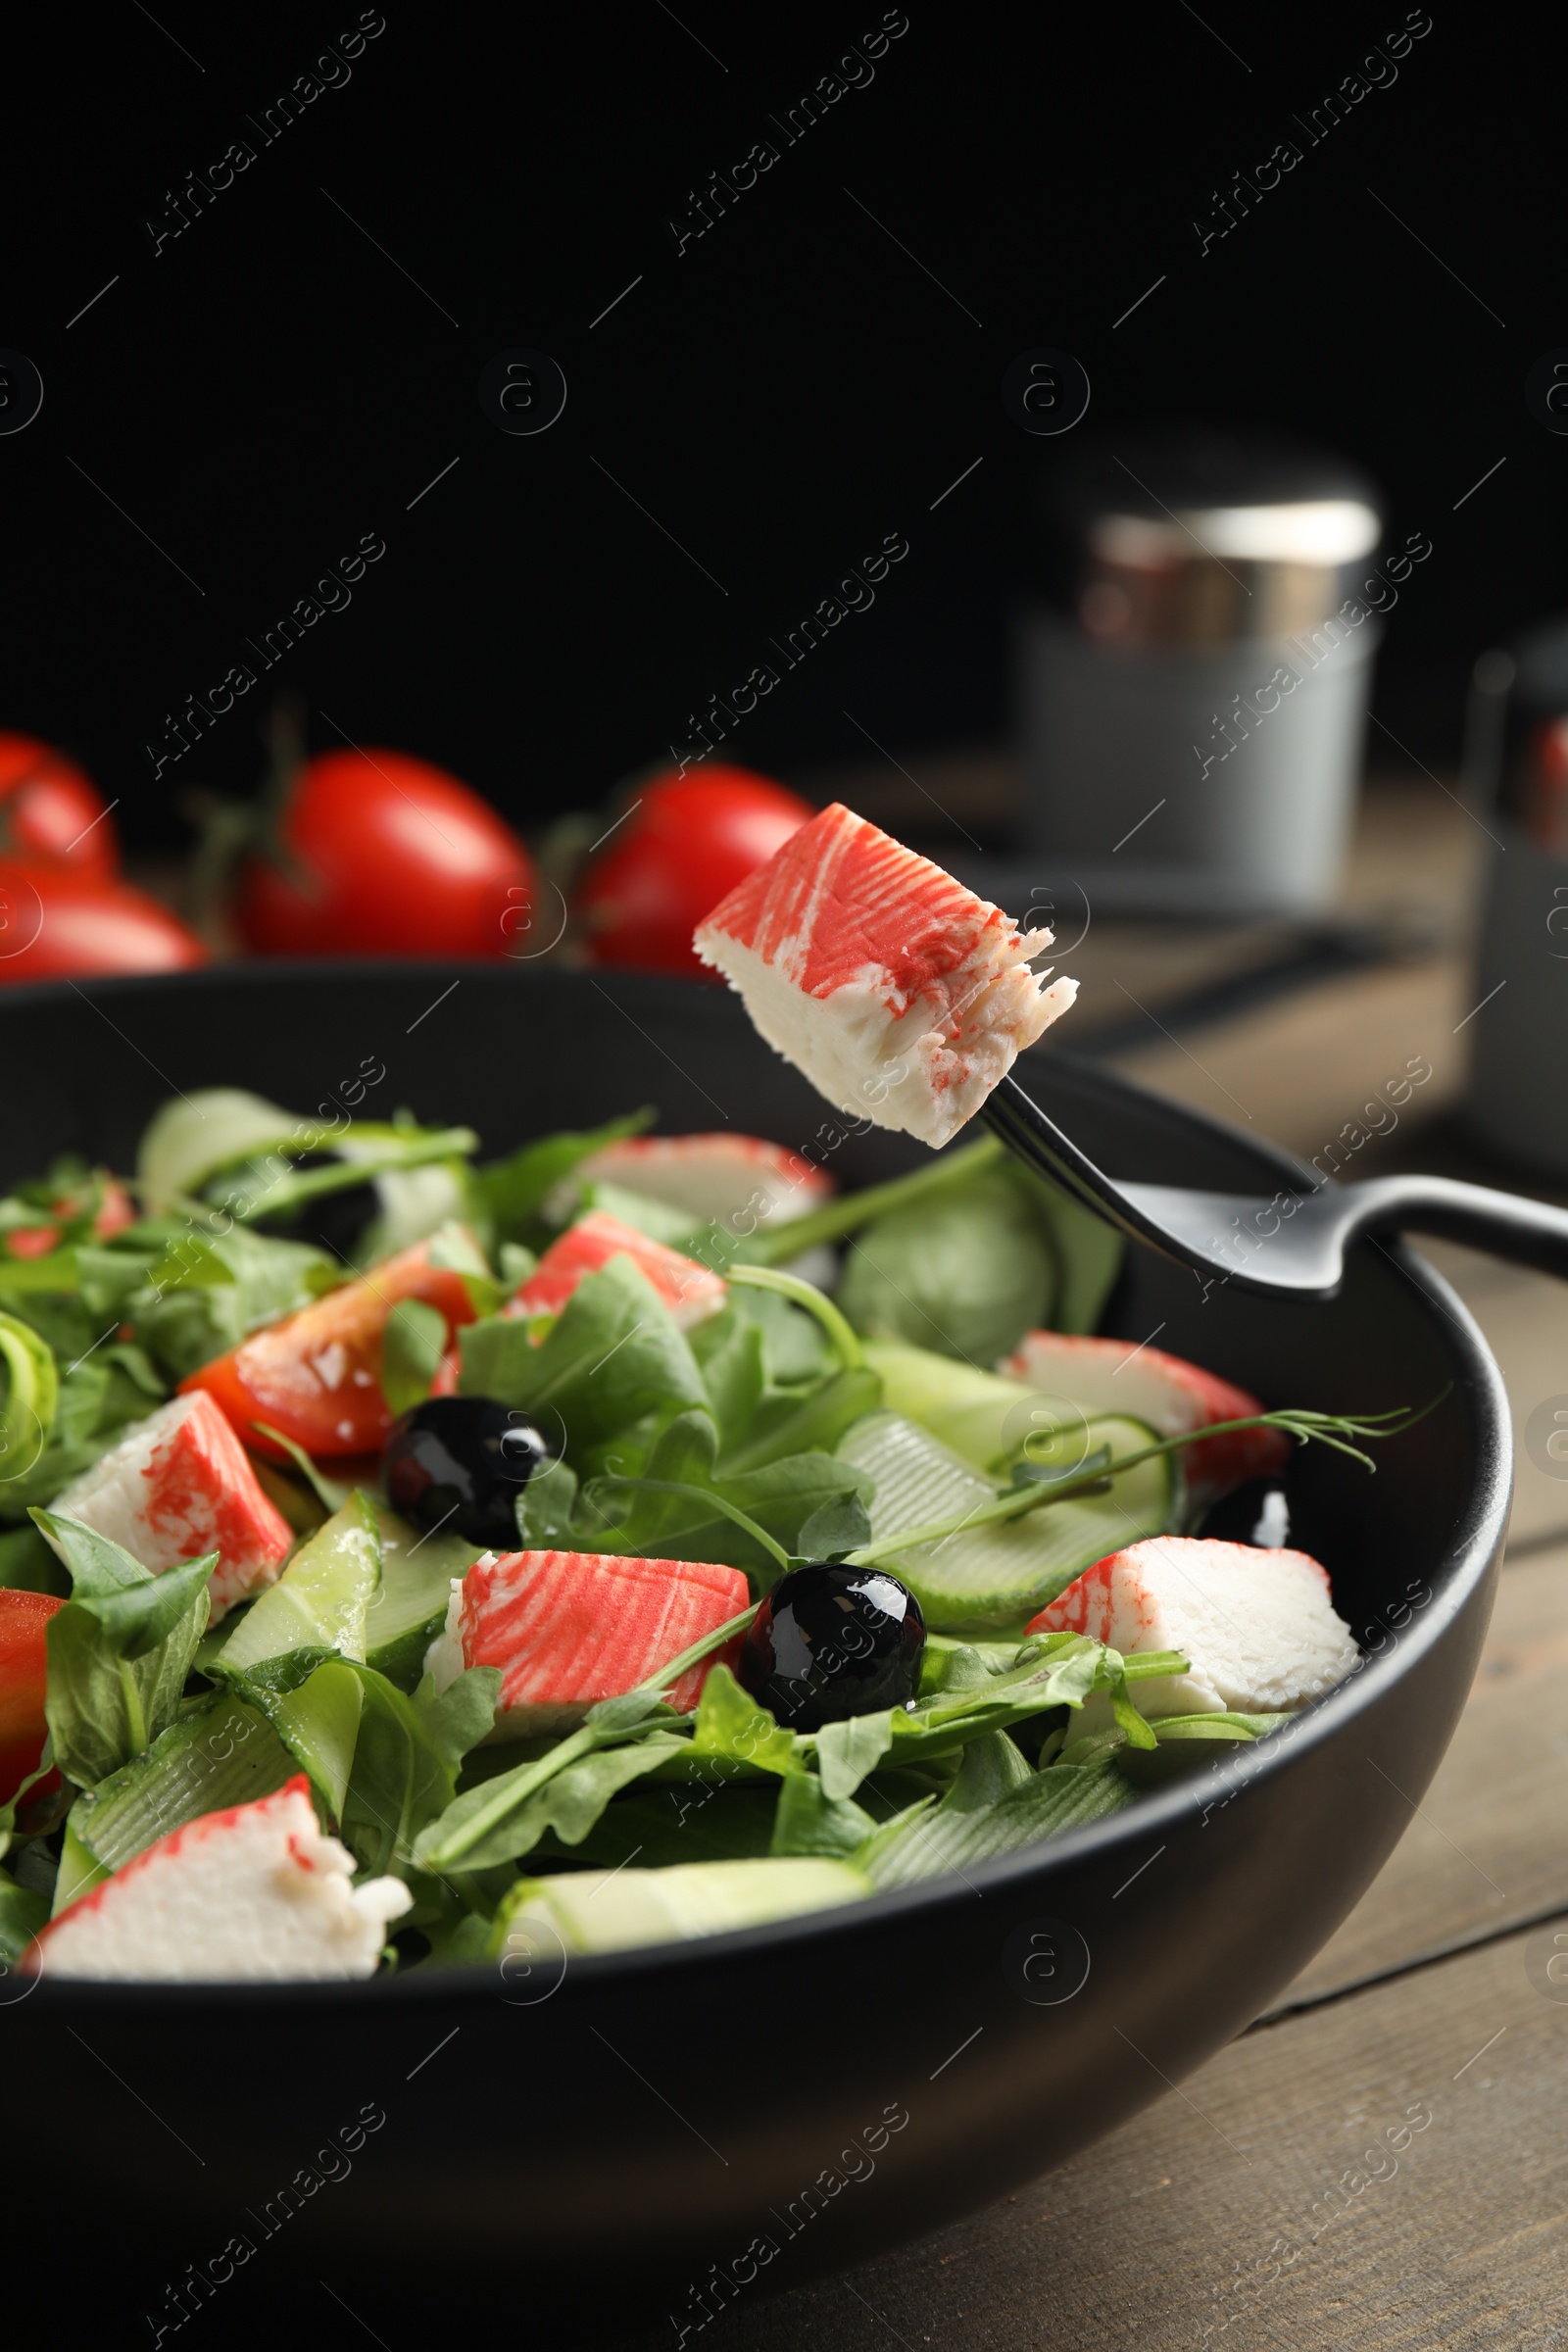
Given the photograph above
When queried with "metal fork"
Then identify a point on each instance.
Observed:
(1293, 1244)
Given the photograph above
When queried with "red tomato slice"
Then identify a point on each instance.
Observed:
(24, 1677)
(317, 1376)
(687, 843)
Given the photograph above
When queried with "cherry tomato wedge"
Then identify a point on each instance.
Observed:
(50, 810)
(317, 1376)
(686, 843)
(24, 1676)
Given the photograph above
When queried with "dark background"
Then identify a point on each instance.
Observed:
(792, 388)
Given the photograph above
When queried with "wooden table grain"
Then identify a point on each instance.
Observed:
(1382, 2161)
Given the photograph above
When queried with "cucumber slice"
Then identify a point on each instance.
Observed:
(410, 1605)
(607, 1911)
(322, 1598)
(982, 1415)
(228, 1754)
(991, 1580)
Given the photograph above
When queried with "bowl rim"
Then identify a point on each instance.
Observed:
(1472, 1548)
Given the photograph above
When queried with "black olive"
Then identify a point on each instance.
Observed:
(832, 1642)
(461, 1462)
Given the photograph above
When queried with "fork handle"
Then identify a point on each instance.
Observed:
(1528, 1233)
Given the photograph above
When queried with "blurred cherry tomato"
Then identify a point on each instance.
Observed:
(57, 923)
(383, 854)
(687, 843)
(24, 1675)
(48, 808)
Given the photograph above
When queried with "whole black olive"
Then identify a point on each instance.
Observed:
(832, 1642)
(461, 1462)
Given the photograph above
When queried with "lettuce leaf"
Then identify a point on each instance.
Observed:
(966, 1271)
(118, 1650)
(510, 1195)
(613, 1355)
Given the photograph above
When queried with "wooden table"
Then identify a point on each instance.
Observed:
(1213, 2219)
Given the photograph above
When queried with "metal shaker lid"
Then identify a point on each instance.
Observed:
(1193, 537)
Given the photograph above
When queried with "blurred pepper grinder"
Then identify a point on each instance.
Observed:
(1193, 688)
(1516, 770)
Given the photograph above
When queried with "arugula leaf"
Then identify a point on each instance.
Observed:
(800, 1505)
(965, 1272)
(546, 1507)
(809, 1821)
(509, 1194)
(838, 1525)
(665, 1825)
(414, 1341)
(1089, 1250)
(787, 1421)
(565, 1790)
(728, 1348)
(22, 1912)
(483, 1825)
(264, 1188)
(458, 1718)
(27, 1565)
(848, 1750)
(613, 1354)
(405, 1759)
(208, 1292)
(21, 1799)
(731, 1724)
(118, 1650)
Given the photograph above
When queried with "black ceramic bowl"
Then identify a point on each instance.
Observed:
(658, 2132)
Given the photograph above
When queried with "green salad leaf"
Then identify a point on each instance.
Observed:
(966, 1271)
(205, 1293)
(414, 1342)
(510, 1195)
(613, 1357)
(22, 1912)
(118, 1650)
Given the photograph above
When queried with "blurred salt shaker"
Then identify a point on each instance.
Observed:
(1193, 687)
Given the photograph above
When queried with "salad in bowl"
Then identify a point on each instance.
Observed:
(406, 1557)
